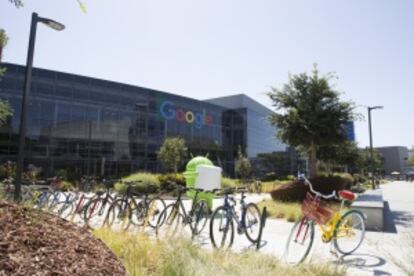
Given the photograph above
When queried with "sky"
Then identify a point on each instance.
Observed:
(211, 48)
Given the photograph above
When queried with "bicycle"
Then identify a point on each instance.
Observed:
(128, 211)
(65, 208)
(97, 204)
(339, 227)
(221, 223)
(175, 215)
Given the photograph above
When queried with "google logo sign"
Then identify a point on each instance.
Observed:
(170, 112)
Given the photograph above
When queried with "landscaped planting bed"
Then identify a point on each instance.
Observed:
(36, 243)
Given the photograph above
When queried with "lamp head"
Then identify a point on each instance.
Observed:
(376, 107)
(52, 23)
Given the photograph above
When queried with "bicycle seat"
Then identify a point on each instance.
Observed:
(347, 195)
(198, 190)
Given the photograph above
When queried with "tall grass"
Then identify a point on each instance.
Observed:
(291, 211)
(143, 256)
(268, 186)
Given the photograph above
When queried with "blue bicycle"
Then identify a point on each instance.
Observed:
(222, 226)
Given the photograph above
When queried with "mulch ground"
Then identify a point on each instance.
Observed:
(36, 243)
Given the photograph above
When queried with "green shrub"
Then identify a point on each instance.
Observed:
(61, 173)
(8, 169)
(67, 186)
(142, 182)
(270, 176)
(120, 187)
(349, 179)
(290, 177)
(166, 179)
(228, 182)
(359, 178)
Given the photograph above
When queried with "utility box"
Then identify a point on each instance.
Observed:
(208, 177)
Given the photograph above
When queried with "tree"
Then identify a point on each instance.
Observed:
(411, 159)
(17, 3)
(363, 163)
(242, 166)
(309, 114)
(20, 3)
(172, 153)
(344, 154)
(5, 109)
(3, 42)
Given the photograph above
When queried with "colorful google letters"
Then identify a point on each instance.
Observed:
(170, 112)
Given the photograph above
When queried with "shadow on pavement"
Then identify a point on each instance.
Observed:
(365, 262)
(253, 246)
(403, 218)
(393, 218)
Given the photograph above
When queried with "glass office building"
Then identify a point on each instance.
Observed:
(92, 126)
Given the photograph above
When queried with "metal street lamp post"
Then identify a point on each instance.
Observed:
(371, 165)
(25, 100)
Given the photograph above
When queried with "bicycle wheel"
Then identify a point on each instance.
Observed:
(110, 216)
(153, 211)
(52, 200)
(43, 200)
(63, 209)
(169, 221)
(200, 215)
(117, 216)
(221, 228)
(300, 241)
(252, 222)
(91, 209)
(137, 215)
(349, 232)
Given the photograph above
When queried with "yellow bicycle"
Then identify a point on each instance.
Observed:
(344, 228)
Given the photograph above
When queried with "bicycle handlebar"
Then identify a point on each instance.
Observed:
(303, 178)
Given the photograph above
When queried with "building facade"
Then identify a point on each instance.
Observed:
(395, 159)
(99, 127)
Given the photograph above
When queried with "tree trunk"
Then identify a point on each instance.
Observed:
(313, 162)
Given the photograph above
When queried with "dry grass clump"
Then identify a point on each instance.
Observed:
(144, 256)
(291, 211)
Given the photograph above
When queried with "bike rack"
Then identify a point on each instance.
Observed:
(262, 225)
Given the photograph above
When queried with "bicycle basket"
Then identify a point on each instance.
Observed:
(316, 209)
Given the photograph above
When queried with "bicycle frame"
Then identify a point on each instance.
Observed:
(328, 229)
(180, 205)
(106, 199)
(241, 224)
